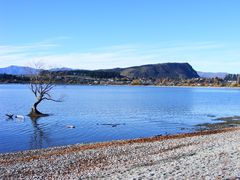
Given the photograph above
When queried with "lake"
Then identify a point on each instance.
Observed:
(106, 113)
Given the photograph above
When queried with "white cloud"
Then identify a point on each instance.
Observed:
(202, 55)
(26, 49)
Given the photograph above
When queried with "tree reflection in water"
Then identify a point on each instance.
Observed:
(39, 137)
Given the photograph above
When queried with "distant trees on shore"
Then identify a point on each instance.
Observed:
(102, 77)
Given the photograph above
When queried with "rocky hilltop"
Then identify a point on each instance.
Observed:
(164, 70)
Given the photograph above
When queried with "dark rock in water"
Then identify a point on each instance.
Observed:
(211, 115)
(183, 128)
(232, 125)
(223, 122)
(109, 124)
(113, 125)
(231, 118)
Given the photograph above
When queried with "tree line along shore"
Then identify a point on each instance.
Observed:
(162, 74)
(113, 79)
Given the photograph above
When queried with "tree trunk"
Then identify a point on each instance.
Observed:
(34, 111)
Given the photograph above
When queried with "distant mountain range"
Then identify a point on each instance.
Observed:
(212, 75)
(18, 70)
(61, 69)
(164, 70)
(24, 70)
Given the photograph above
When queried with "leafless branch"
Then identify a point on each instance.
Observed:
(42, 83)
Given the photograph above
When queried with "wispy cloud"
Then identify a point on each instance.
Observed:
(202, 55)
(25, 48)
(34, 48)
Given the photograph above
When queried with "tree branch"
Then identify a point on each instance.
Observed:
(50, 99)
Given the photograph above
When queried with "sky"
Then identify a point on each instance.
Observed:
(99, 34)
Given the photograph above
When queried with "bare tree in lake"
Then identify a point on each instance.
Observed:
(42, 83)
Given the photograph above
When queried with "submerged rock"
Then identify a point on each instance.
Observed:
(211, 115)
(231, 118)
(110, 124)
(223, 122)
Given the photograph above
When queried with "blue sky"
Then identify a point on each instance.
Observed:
(95, 34)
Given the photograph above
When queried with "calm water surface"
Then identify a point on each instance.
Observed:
(139, 111)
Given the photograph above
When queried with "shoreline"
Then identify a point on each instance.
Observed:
(129, 85)
(95, 160)
(217, 126)
(103, 144)
(200, 129)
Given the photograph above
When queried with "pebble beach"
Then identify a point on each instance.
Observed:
(213, 154)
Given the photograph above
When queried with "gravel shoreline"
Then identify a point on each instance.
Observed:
(213, 154)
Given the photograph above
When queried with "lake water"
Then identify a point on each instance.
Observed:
(138, 111)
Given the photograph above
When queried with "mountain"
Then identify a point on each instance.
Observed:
(23, 70)
(61, 69)
(221, 75)
(164, 70)
(18, 70)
